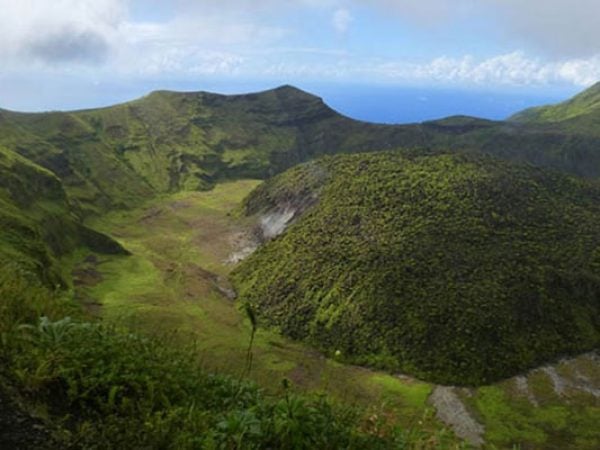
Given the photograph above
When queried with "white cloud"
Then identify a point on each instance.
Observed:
(341, 20)
(562, 27)
(250, 38)
(512, 69)
(64, 35)
(59, 31)
(186, 47)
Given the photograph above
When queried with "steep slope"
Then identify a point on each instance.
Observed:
(583, 104)
(120, 156)
(37, 223)
(458, 269)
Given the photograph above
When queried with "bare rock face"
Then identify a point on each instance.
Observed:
(275, 223)
(451, 411)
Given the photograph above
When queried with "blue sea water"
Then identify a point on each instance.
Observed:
(407, 105)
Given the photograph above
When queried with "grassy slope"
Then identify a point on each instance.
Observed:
(38, 224)
(167, 141)
(585, 103)
(122, 156)
(457, 269)
(98, 387)
(123, 390)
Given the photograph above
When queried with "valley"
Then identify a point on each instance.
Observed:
(419, 286)
(175, 284)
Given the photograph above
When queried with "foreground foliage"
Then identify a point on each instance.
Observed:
(458, 269)
(102, 388)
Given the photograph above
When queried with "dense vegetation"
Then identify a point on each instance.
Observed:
(453, 268)
(103, 388)
(38, 225)
(458, 269)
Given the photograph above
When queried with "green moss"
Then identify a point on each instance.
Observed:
(455, 268)
(38, 224)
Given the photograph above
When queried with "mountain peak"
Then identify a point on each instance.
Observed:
(291, 89)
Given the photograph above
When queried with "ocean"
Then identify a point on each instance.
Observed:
(407, 105)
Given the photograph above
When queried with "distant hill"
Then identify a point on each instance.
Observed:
(583, 104)
(120, 156)
(460, 269)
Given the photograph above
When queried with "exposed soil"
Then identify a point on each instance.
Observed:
(243, 245)
(522, 386)
(451, 410)
(577, 382)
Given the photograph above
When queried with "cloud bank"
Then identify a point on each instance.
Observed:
(513, 69)
(553, 41)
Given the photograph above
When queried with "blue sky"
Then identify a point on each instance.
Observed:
(82, 53)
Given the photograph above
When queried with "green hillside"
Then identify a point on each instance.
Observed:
(420, 258)
(165, 142)
(585, 103)
(120, 156)
(38, 226)
(454, 268)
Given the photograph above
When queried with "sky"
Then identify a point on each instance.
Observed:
(58, 54)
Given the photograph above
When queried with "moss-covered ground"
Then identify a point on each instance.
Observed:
(456, 269)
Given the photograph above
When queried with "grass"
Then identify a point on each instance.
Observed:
(145, 378)
(165, 287)
(558, 422)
